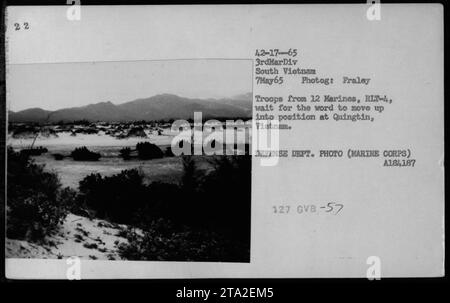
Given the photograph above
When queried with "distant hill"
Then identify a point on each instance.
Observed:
(31, 114)
(165, 106)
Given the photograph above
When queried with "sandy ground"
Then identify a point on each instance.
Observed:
(78, 236)
(65, 139)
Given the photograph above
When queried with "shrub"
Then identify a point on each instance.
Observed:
(35, 203)
(116, 198)
(82, 122)
(188, 179)
(84, 154)
(218, 194)
(229, 187)
(125, 153)
(168, 152)
(90, 245)
(36, 151)
(137, 131)
(58, 157)
(164, 200)
(204, 218)
(147, 150)
(207, 218)
(24, 130)
(87, 130)
(163, 242)
(72, 201)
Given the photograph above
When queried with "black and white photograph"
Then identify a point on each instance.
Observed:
(92, 172)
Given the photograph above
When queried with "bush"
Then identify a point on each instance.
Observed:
(168, 152)
(185, 144)
(36, 151)
(114, 198)
(147, 150)
(24, 130)
(206, 218)
(58, 157)
(214, 197)
(72, 201)
(84, 154)
(164, 200)
(137, 131)
(35, 206)
(163, 242)
(228, 186)
(90, 245)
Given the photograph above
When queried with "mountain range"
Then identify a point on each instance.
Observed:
(158, 107)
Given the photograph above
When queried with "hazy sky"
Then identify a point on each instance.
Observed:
(55, 86)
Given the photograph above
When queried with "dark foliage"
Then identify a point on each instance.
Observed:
(81, 122)
(58, 156)
(20, 129)
(168, 152)
(165, 242)
(36, 204)
(206, 218)
(137, 131)
(84, 154)
(114, 198)
(147, 150)
(36, 151)
(125, 153)
(86, 130)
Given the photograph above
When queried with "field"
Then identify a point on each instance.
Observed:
(71, 172)
(167, 169)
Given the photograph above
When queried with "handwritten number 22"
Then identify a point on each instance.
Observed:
(17, 26)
